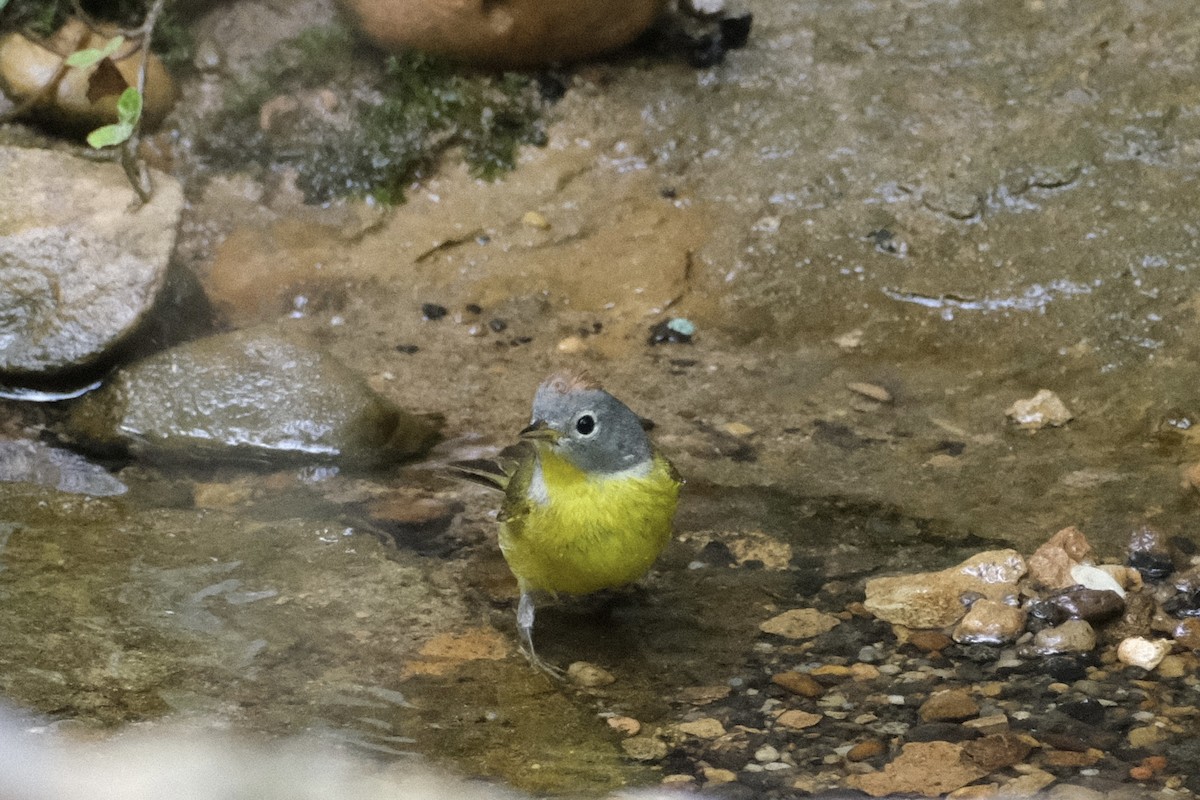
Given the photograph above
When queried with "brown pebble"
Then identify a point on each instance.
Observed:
(1070, 758)
(1191, 476)
(1155, 764)
(1140, 773)
(930, 641)
(864, 750)
(797, 720)
(798, 683)
(949, 705)
(832, 670)
(588, 675)
(872, 391)
(626, 725)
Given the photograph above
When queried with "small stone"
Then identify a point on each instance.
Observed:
(672, 331)
(677, 780)
(1146, 736)
(1044, 409)
(993, 723)
(934, 599)
(1050, 565)
(1093, 605)
(930, 641)
(588, 675)
(925, 768)
(737, 428)
(798, 683)
(1073, 636)
(626, 725)
(1145, 653)
(864, 672)
(990, 622)
(997, 751)
(572, 345)
(865, 750)
(1071, 758)
(850, 341)
(872, 391)
(1187, 633)
(1172, 666)
(950, 705)
(766, 754)
(1141, 773)
(715, 776)
(797, 720)
(799, 623)
(1092, 577)
(1029, 784)
(532, 219)
(704, 728)
(1191, 476)
(644, 748)
(432, 311)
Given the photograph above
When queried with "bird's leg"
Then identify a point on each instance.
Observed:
(525, 612)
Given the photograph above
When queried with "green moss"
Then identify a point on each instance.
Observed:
(392, 121)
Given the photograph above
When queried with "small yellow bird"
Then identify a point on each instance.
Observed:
(588, 499)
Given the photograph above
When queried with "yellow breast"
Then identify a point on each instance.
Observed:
(582, 533)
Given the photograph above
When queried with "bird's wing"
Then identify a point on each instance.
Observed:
(510, 471)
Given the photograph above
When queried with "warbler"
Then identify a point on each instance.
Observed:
(588, 499)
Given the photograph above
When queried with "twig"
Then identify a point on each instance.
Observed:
(135, 168)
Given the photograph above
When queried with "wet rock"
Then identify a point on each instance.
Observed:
(513, 33)
(796, 720)
(704, 728)
(930, 641)
(1091, 577)
(928, 769)
(79, 266)
(33, 462)
(1137, 651)
(626, 725)
(934, 599)
(252, 395)
(1150, 554)
(990, 622)
(83, 98)
(1063, 667)
(940, 732)
(1093, 605)
(1050, 565)
(799, 683)
(1044, 409)
(866, 750)
(871, 391)
(1073, 636)
(672, 331)
(644, 748)
(799, 623)
(433, 311)
(997, 751)
(1087, 710)
(589, 676)
(1187, 633)
(949, 705)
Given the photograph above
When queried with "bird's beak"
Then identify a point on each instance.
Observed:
(540, 430)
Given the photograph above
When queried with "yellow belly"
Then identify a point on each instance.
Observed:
(590, 533)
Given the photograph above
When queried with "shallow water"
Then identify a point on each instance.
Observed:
(978, 199)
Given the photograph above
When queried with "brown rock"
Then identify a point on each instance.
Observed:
(28, 67)
(925, 768)
(864, 750)
(1073, 636)
(644, 748)
(507, 33)
(1071, 758)
(1044, 409)
(1187, 633)
(799, 683)
(997, 751)
(704, 728)
(930, 641)
(934, 599)
(949, 705)
(797, 720)
(800, 623)
(990, 622)
(626, 725)
(583, 673)
(1050, 565)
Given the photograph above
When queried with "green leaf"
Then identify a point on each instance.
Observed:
(110, 135)
(129, 106)
(82, 59)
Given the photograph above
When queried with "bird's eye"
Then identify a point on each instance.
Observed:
(586, 425)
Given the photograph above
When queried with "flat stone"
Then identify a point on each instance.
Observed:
(81, 263)
(644, 748)
(255, 395)
(705, 728)
(798, 683)
(949, 705)
(588, 675)
(997, 751)
(26, 461)
(800, 623)
(1044, 409)
(1050, 565)
(990, 622)
(865, 750)
(934, 599)
(796, 720)
(1072, 636)
(929, 769)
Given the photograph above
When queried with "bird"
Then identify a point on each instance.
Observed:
(589, 501)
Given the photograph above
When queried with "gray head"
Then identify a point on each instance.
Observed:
(588, 426)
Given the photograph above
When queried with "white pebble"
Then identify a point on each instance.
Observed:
(1145, 653)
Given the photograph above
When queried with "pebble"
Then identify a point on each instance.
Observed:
(572, 345)
(871, 391)
(795, 719)
(589, 676)
(852, 340)
(930, 641)
(993, 723)
(990, 622)
(433, 311)
(626, 725)
(1044, 409)
(737, 428)
(704, 728)
(1137, 651)
(644, 748)
(799, 623)
(948, 705)
(766, 754)
(865, 750)
(715, 776)
(798, 684)
(1073, 636)
(535, 220)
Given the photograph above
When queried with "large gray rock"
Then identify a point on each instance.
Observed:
(80, 262)
(253, 395)
(25, 461)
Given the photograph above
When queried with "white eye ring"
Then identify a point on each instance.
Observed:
(586, 424)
